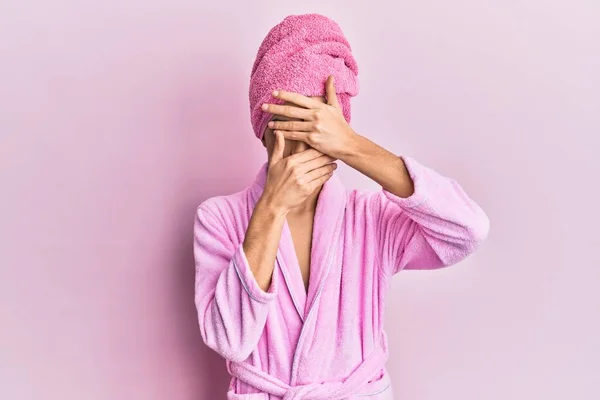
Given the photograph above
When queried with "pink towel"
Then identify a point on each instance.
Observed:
(298, 55)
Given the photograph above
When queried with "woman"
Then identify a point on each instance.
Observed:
(292, 271)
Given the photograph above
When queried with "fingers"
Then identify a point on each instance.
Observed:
(305, 155)
(318, 173)
(315, 163)
(331, 95)
(289, 111)
(322, 176)
(308, 160)
(303, 126)
(296, 135)
(278, 148)
(297, 98)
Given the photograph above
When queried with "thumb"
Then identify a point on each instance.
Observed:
(277, 154)
(332, 99)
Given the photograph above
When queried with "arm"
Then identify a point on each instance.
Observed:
(424, 220)
(233, 285)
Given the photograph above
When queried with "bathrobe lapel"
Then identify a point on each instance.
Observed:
(326, 235)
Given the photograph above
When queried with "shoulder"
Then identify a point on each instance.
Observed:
(224, 208)
(363, 199)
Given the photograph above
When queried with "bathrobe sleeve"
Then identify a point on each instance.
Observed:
(437, 226)
(232, 308)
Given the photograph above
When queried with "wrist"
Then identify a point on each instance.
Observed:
(269, 206)
(351, 148)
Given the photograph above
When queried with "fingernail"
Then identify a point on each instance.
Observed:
(275, 92)
(265, 106)
(271, 123)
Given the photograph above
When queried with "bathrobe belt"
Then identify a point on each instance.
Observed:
(354, 384)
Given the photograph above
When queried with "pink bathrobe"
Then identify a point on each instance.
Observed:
(329, 343)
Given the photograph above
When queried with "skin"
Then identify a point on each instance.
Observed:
(304, 138)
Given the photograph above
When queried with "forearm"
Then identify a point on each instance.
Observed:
(379, 164)
(262, 240)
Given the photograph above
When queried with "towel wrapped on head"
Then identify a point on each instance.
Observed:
(298, 55)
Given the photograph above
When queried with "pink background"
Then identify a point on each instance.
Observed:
(118, 118)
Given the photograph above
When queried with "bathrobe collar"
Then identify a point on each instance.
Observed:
(326, 237)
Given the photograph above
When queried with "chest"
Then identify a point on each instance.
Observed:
(301, 229)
